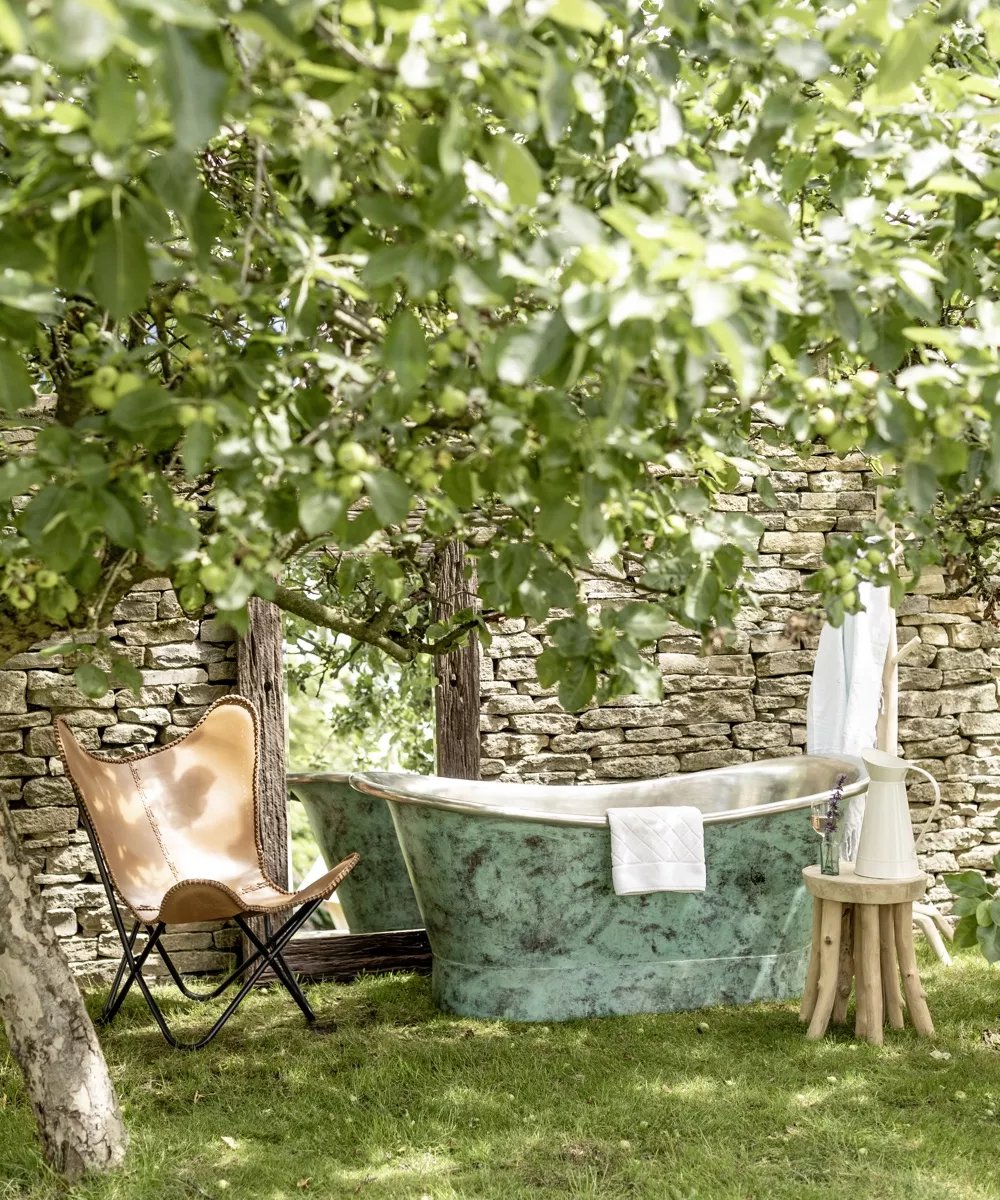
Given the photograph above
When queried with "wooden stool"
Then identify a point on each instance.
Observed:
(861, 927)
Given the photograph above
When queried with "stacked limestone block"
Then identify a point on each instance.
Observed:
(747, 700)
(186, 664)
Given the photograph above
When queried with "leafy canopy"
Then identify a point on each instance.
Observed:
(542, 276)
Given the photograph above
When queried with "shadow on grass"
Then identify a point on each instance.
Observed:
(395, 1099)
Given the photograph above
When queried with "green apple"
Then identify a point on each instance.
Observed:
(352, 456)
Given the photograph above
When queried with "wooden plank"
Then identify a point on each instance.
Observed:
(457, 694)
(342, 957)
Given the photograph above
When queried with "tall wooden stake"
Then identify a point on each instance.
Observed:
(457, 692)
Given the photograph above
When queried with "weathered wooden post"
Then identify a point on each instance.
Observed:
(260, 677)
(457, 693)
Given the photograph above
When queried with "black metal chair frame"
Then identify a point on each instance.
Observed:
(267, 953)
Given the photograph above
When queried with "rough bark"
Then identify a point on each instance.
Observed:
(260, 678)
(457, 692)
(50, 1033)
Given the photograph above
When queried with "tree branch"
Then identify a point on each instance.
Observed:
(311, 610)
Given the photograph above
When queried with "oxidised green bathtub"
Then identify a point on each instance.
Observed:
(514, 883)
(377, 894)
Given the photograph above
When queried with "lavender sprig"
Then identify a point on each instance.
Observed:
(832, 819)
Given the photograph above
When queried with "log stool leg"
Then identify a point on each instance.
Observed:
(891, 995)
(860, 994)
(812, 972)
(845, 974)
(829, 955)
(916, 997)
(869, 1018)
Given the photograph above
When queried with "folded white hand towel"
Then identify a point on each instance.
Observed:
(657, 850)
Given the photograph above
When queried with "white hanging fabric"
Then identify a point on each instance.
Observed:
(846, 691)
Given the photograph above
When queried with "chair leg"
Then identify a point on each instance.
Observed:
(135, 963)
(183, 988)
(265, 956)
(281, 971)
(103, 1019)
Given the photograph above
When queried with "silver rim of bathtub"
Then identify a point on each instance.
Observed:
(317, 777)
(563, 803)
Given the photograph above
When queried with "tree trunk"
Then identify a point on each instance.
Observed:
(457, 693)
(50, 1033)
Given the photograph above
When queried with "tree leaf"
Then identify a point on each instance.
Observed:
(548, 667)
(120, 276)
(390, 496)
(643, 621)
(15, 382)
(84, 30)
(145, 408)
(907, 54)
(196, 83)
(116, 519)
(921, 485)
(988, 937)
(585, 15)
(701, 595)
(577, 686)
(115, 106)
(91, 680)
(197, 448)
(125, 673)
(320, 511)
(967, 883)
(513, 164)
(711, 302)
(11, 28)
(966, 932)
(405, 350)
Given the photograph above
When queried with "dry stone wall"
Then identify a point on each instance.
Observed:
(747, 700)
(186, 665)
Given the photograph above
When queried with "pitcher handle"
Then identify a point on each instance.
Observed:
(937, 803)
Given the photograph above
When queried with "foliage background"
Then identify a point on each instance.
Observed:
(303, 273)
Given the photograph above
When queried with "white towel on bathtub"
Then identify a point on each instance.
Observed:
(657, 850)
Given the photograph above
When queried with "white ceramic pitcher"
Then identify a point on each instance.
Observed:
(886, 849)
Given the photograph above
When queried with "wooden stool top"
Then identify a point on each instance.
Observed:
(849, 888)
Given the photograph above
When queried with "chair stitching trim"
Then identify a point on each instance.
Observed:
(349, 864)
(140, 787)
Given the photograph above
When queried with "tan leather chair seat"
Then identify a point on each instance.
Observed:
(178, 826)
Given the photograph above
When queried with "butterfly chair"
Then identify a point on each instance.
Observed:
(176, 835)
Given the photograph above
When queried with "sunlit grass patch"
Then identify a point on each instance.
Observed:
(396, 1100)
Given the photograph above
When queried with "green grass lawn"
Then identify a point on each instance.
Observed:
(394, 1099)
